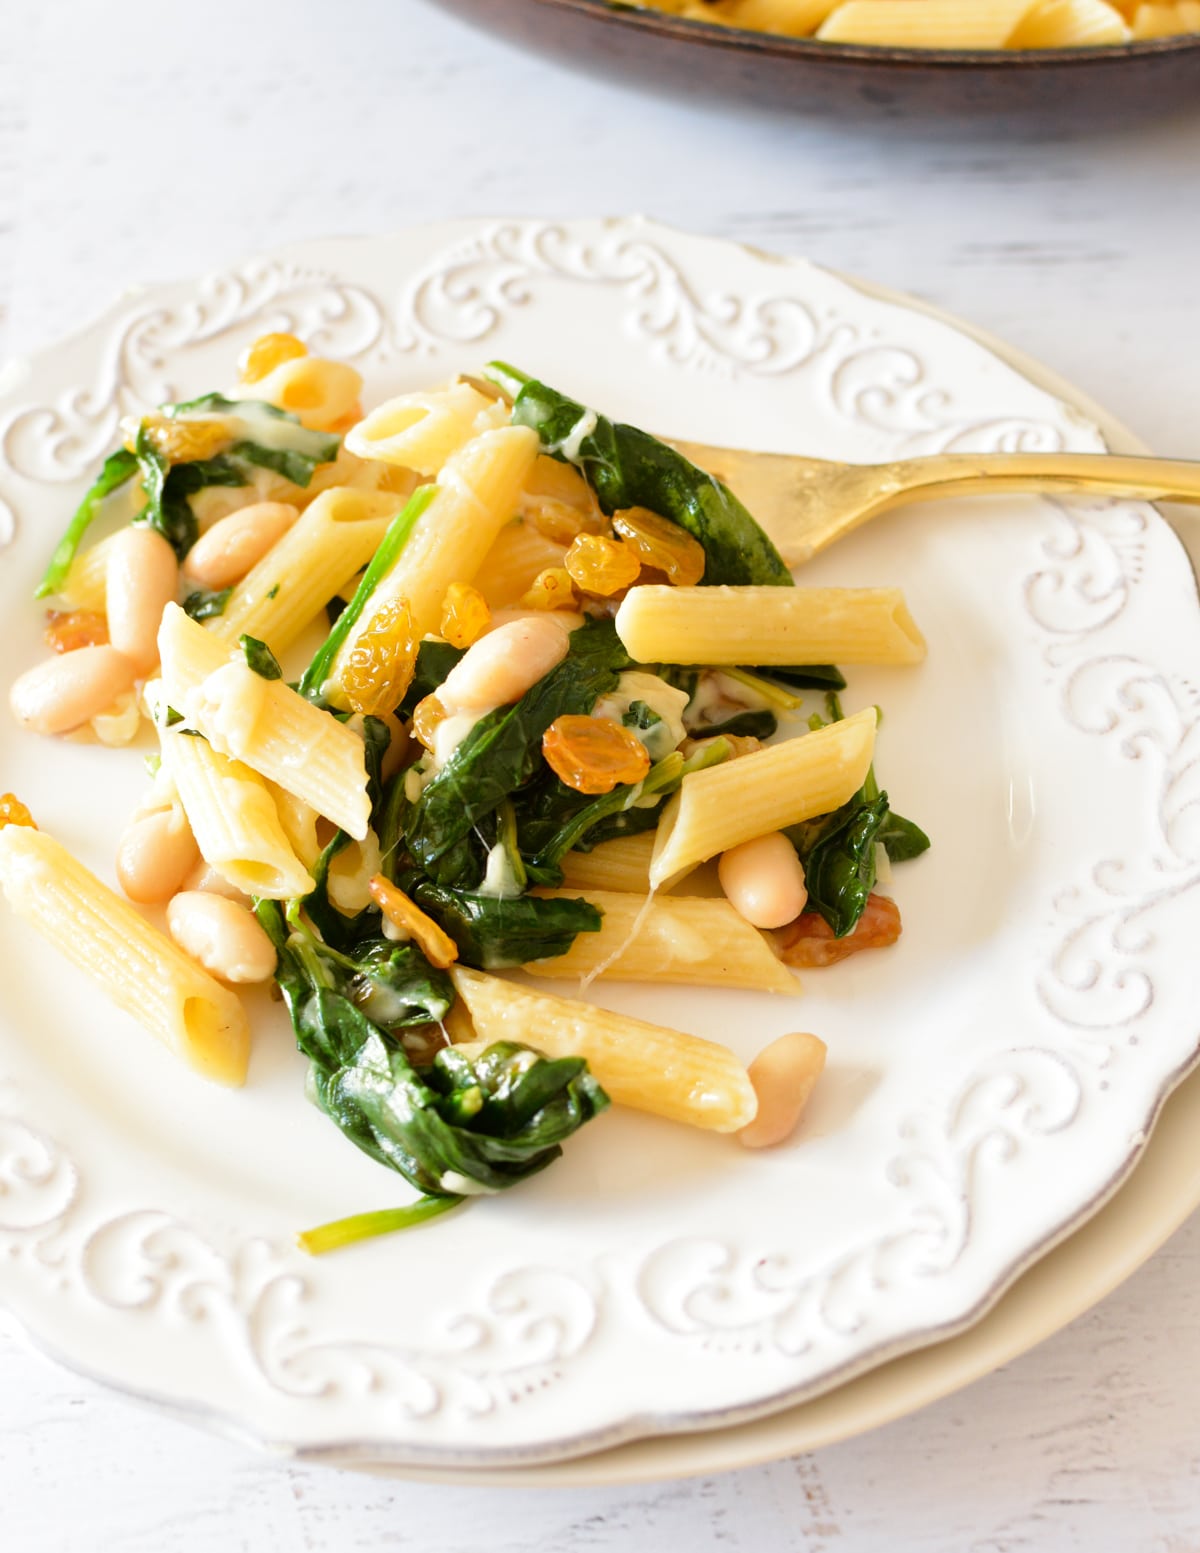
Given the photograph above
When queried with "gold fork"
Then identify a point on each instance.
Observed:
(805, 504)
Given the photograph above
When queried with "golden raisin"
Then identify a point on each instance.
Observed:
(551, 590)
(185, 441)
(67, 629)
(379, 667)
(426, 716)
(661, 544)
(602, 566)
(14, 812)
(594, 754)
(436, 945)
(465, 614)
(269, 351)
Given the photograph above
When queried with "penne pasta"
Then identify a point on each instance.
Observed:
(519, 553)
(134, 964)
(319, 555)
(765, 626)
(322, 393)
(233, 818)
(1166, 21)
(264, 723)
(676, 939)
(641, 1065)
(474, 498)
(299, 822)
(421, 431)
(790, 18)
(946, 24)
(86, 585)
(768, 790)
(623, 864)
(1078, 23)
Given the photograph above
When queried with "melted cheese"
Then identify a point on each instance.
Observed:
(664, 699)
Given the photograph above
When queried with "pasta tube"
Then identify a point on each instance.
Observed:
(321, 392)
(1075, 23)
(86, 585)
(939, 24)
(677, 939)
(762, 626)
(475, 497)
(264, 723)
(641, 1065)
(725, 805)
(623, 864)
(791, 18)
(318, 556)
(138, 967)
(233, 818)
(421, 431)
(510, 566)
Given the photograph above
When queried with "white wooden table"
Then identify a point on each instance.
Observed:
(143, 141)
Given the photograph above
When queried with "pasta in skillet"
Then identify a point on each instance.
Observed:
(948, 24)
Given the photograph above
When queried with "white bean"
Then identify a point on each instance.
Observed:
(764, 880)
(142, 579)
(224, 937)
(784, 1075)
(224, 554)
(65, 691)
(155, 855)
(502, 665)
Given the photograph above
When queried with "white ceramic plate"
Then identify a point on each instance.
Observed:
(992, 1079)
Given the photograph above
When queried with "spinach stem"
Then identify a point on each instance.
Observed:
(365, 1226)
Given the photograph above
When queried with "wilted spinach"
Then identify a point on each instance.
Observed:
(504, 749)
(630, 468)
(494, 933)
(460, 1126)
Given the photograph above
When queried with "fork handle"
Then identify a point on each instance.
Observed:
(987, 474)
(1052, 474)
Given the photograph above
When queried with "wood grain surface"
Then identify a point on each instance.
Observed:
(147, 142)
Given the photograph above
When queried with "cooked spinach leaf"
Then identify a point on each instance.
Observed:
(205, 604)
(838, 849)
(434, 662)
(169, 488)
(812, 676)
(743, 725)
(629, 468)
(641, 716)
(493, 933)
(902, 838)
(260, 658)
(264, 435)
(839, 868)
